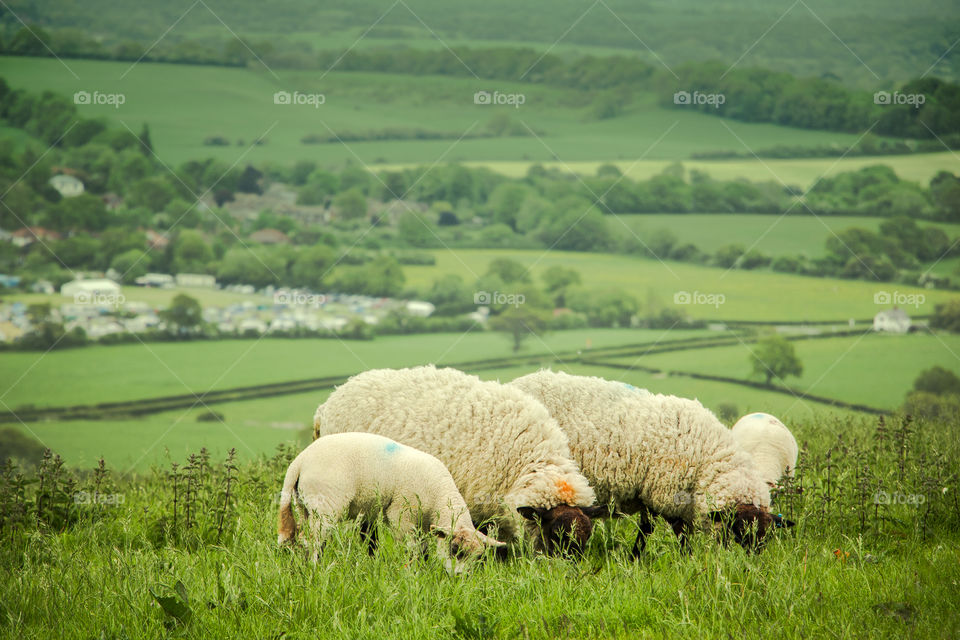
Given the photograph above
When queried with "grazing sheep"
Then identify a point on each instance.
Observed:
(504, 451)
(770, 443)
(361, 474)
(648, 453)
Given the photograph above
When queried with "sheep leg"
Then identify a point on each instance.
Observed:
(682, 530)
(644, 530)
(368, 531)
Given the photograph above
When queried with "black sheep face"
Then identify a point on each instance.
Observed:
(564, 530)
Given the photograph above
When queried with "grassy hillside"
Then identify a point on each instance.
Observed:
(238, 104)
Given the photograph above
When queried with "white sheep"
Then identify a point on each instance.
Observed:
(655, 453)
(770, 443)
(352, 475)
(508, 457)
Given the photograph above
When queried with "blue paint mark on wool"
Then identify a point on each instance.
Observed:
(392, 447)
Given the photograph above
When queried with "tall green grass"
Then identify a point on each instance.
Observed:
(851, 568)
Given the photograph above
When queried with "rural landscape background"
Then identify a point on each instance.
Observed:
(212, 213)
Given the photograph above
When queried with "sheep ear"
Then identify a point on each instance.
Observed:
(782, 523)
(598, 511)
(532, 513)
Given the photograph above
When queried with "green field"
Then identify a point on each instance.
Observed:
(800, 172)
(874, 369)
(257, 426)
(749, 295)
(775, 235)
(135, 371)
(238, 104)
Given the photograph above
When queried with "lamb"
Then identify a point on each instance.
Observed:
(509, 459)
(651, 453)
(770, 443)
(361, 474)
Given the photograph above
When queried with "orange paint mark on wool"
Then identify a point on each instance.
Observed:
(565, 491)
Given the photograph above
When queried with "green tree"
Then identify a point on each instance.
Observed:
(520, 322)
(191, 253)
(509, 271)
(947, 316)
(184, 315)
(938, 381)
(557, 280)
(311, 267)
(131, 264)
(416, 230)
(775, 357)
(351, 204)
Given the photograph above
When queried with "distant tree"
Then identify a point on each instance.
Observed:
(451, 295)
(184, 315)
(416, 230)
(775, 357)
(312, 266)
(146, 145)
(351, 204)
(947, 316)
(509, 271)
(154, 193)
(249, 180)
(447, 219)
(521, 322)
(557, 280)
(191, 252)
(131, 264)
(938, 381)
(727, 256)
(320, 186)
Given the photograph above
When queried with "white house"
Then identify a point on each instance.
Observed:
(95, 287)
(162, 280)
(420, 308)
(66, 186)
(196, 280)
(892, 321)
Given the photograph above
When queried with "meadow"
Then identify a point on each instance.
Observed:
(238, 104)
(134, 371)
(781, 235)
(852, 567)
(748, 295)
(872, 369)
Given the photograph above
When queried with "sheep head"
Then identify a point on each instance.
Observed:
(470, 542)
(747, 525)
(564, 529)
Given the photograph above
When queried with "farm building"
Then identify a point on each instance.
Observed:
(270, 236)
(29, 235)
(196, 280)
(93, 287)
(892, 321)
(66, 186)
(161, 280)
